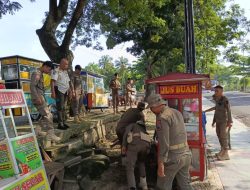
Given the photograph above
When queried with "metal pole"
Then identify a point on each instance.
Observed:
(186, 38)
(189, 37)
(192, 41)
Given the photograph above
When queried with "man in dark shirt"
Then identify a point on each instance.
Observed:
(132, 115)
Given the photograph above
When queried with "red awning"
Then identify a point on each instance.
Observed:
(178, 77)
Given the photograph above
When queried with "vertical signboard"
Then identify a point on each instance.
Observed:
(6, 166)
(21, 165)
(26, 154)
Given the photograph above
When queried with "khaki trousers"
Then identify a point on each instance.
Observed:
(46, 122)
(178, 169)
(137, 152)
(115, 99)
(77, 103)
(222, 133)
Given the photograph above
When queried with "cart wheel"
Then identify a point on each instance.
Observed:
(53, 111)
(35, 117)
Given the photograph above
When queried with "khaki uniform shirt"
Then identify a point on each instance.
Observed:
(134, 128)
(129, 89)
(36, 85)
(170, 129)
(132, 115)
(62, 79)
(115, 85)
(222, 110)
(77, 83)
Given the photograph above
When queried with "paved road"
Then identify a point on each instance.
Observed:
(234, 173)
(240, 105)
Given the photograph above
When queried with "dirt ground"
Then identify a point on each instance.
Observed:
(114, 178)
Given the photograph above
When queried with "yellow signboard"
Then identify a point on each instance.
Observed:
(7, 61)
(37, 180)
(29, 62)
(179, 89)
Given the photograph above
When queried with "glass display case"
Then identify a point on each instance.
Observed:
(190, 113)
(93, 85)
(10, 72)
(183, 91)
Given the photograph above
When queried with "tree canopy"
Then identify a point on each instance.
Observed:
(158, 34)
(9, 7)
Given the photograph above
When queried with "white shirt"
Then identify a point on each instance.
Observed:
(62, 79)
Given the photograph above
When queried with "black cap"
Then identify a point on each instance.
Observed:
(78, 67)
(219, 87)
(48, 64)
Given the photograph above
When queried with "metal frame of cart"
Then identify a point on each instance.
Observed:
(183, 91)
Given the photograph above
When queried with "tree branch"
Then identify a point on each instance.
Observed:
(52, 7)
(73, 22)
(62, 9)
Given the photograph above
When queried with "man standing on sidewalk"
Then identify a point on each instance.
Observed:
(174, 156)
(223, 120)
(60, 87)
(37, 91)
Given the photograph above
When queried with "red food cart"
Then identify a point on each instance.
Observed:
(183, 91)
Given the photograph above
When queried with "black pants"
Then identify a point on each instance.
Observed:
(61, 101)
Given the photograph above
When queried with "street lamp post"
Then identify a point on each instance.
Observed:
(189, 37)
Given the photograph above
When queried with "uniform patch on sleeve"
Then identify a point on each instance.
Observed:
(158, 125)
(37, 78)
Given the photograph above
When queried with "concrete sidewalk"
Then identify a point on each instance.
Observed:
(234, 173)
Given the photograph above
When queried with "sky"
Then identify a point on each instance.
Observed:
(18, 36)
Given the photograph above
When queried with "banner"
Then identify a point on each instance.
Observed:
(26, 154)
(179, 89)
(31, 182)
(101, 100)
(6, 167)
(11, 98)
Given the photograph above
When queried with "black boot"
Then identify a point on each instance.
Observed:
(65, 125)
(61, 127)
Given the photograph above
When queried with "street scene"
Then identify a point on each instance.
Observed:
(124, 95)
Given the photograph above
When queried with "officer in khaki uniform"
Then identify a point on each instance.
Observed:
(132, 115)
(38, 100)
(174, 156)
(77, 101)
(223, 120)
(136, 146)
(128, 93)
(115, 85)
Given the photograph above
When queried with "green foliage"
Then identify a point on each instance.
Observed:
(157, 30)
(107, 67)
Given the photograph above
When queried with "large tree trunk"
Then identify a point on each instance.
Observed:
(149, 70)
(52, 49)
(47, 36)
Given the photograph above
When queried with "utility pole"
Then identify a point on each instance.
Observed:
(189, 37)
